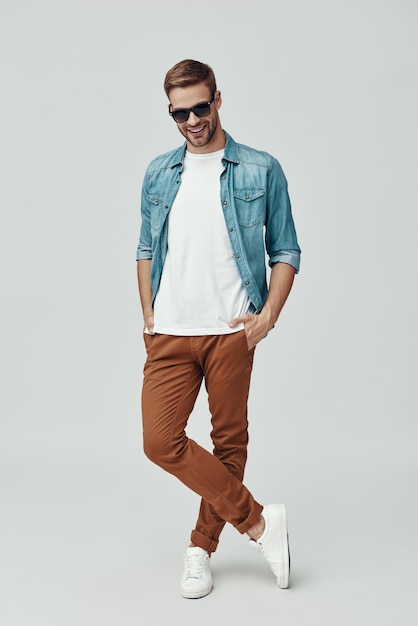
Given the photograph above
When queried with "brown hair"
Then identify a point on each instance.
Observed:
(189, 72)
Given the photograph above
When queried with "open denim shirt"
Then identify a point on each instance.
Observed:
(255, 204)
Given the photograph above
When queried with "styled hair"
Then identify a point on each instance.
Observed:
(189, 72)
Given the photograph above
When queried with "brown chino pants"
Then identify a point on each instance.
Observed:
(173, 373)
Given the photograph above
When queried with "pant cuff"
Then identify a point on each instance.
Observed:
(252, 519)
(204, 542)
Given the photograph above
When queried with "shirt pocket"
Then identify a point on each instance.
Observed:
(250, 206)
(157, 210)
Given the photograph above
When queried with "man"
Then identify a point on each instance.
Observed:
(210, 211)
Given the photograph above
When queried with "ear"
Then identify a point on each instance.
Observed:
(218, 99)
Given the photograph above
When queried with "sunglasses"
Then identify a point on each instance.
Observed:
(201, 110)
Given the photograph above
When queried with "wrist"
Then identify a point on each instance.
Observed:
(268, 316)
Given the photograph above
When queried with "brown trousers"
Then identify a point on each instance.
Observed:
(173, 373)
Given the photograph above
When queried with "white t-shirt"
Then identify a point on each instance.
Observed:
(201, 290)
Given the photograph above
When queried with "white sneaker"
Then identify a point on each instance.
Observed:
(196, 581)
(274, 543)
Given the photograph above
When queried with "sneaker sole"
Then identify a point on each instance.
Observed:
(195, 595)
(283, 580)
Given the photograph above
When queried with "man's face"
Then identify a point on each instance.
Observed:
(203, 134)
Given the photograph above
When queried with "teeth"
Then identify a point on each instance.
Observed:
(196, 130)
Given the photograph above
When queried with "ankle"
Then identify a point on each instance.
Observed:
(257, 530)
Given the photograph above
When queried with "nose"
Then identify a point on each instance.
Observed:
(193, 120)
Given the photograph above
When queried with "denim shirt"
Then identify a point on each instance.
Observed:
(255, 204)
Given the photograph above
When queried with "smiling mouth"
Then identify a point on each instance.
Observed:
(195, 131)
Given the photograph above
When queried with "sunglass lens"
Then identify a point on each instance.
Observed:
(201, 110)
(180, 116)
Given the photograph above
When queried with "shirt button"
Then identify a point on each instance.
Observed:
(231, 230)
(247, 282)
(238, 256)
(225, 203)
(247, 197)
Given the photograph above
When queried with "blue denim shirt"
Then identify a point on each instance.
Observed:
(256, 207)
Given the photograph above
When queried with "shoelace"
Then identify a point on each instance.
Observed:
(194, 566)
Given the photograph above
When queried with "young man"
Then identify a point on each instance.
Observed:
(210, 211)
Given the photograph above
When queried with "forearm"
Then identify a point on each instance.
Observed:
(144, 286)
(258, 326)
(281, 282)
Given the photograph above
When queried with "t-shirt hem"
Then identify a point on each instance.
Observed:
(193, 332)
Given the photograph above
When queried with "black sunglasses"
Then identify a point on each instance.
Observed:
(182, 115)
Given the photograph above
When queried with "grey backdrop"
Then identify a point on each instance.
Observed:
(91, 532)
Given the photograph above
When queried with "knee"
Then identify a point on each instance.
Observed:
(152, 448)
(157, 450)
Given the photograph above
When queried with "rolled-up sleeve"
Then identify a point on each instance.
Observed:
(144, 249)
(281, 240)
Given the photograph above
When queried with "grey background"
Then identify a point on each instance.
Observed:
(91, 533)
